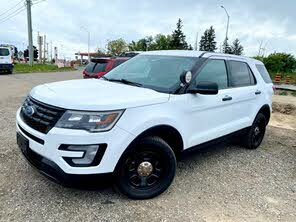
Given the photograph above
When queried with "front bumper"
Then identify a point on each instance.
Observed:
(6, 66)
(56, 174)
(46, 147)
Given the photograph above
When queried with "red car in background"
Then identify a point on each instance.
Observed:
(100, 66)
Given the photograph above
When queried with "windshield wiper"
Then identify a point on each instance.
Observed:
(103, 77)
(125, 81)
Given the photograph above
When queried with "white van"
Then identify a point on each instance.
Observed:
(6, 60)
(138, 118)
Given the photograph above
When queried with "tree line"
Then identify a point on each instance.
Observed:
(279, 62)
(176, 40)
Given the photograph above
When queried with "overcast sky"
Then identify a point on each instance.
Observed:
(64, 22)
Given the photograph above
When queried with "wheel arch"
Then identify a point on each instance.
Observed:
(166, 132)
(266, 111)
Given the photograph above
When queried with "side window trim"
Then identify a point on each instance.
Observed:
(249, 71)
(206, 62)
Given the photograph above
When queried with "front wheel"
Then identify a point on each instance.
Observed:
(147, 169)
(255, 134)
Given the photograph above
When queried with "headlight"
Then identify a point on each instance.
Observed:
(90, 121)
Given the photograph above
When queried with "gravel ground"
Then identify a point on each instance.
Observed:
(224, 183)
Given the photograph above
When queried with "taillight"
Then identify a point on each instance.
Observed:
(84, 72)
(274, 89)
(12, 59)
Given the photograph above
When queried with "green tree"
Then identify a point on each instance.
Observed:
(226, 47)
(280, 62)
(144, 44)
(236, 48)
(162, 42)
(117, 47)
(207, 42)
(178, 40)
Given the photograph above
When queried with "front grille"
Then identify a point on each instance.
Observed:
(40, 116)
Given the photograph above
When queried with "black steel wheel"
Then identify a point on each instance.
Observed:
(256, 133)
(147, 170)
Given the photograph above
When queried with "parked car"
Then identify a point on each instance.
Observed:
(100, 66)
(6, 60)
(136, 120)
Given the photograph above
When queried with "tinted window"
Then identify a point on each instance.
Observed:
(118, 62)
(264, 73)
(214, 71)
(100, 67)
(96, 67)
(4, 52)
(90, 66)
(240, 74)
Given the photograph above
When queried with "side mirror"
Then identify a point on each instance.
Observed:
(205, 88)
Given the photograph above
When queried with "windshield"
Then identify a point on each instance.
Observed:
(4, 52)
(161, 73)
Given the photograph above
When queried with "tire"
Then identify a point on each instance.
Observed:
(9, 71)
(146, 170)
(255, 134)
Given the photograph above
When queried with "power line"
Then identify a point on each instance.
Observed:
(16, 12)
(11, 8)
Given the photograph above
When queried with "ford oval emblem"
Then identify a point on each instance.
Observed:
(29, 110)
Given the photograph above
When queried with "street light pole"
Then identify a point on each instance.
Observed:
(228, 17)
(88, 41)
(88, 46)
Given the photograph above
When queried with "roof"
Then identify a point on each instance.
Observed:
(187, 53)
(191, 53)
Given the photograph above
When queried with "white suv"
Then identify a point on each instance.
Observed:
(6, 60)
(141, 116)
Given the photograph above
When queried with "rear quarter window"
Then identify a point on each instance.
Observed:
(241, 74)
(4, 52)
(90, 67)
(264, 73)
(100, 67)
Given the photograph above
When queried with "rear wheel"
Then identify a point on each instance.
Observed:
(147, 170)
(256, 133)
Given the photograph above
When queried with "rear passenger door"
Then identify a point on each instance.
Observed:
(244, 92)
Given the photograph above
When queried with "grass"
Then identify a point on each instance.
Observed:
(283, 77)
(283, 93)
(24, 68)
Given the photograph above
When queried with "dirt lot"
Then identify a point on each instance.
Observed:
(224, 183)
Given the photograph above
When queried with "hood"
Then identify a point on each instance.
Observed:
(95, 95)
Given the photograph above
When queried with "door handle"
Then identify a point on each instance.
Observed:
(257, 92)
(227, 98)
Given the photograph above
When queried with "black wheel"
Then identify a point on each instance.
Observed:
(255, 134)
(146, 170)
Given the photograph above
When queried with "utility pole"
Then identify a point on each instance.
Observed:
(196, 42)
(50, 51)
(30, 39)
(228, 17)
(56, 54)
(44, 49)
(47, 53)
(40, 40)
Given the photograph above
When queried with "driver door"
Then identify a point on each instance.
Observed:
(211, 116)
